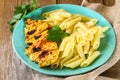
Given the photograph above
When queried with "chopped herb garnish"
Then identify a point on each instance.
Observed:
(56, 34)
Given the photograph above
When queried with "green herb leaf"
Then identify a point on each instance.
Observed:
(56, 34)
(34, 3)
(21, 11)
(12, 21)
(63, 35)
(18, 16)
(12, 28)
(18, 10)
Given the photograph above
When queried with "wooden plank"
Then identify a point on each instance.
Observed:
(46, 2)
(78, 2)
(109, 2)
(11, 67)
(96, 1)
(105, 2)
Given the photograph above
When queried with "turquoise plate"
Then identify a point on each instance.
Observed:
(106, 48)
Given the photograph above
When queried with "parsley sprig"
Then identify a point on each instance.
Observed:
(56, 34)
(21, 11)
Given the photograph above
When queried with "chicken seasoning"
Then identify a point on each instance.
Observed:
(39, 49)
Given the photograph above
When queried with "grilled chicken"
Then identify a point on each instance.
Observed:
(39, 49)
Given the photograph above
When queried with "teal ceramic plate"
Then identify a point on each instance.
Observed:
(106, 48)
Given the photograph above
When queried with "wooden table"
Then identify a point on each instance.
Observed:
(11, 68)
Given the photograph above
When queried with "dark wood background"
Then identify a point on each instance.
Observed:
(8, 60)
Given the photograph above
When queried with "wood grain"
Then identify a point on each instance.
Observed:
(96, 1)
(11, 67)
(46, 2)
(105, 2)
(70, 1)
(109, 2)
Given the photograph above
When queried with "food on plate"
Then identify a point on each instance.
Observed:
(63, 39)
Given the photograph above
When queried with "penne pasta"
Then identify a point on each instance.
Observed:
(75, 52)
(78, 38)
(80, 51)
(74, 64)
(63, 60)
(104, 29)
(46, 14)
(72, 60)
(90, 59)
(90, 52)
(63, 44)
(63, 24)
(82, 26)
(69, 48)
(70, 30)
(91, 23)
(72, 22)
(80, 31)
(86, 47)
(96, 41)
(85, 18)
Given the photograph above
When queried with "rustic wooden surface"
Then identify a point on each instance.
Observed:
(11, 68)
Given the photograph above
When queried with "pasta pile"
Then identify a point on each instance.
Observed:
(79, 49)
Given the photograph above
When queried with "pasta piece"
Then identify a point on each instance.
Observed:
(72, 22)
(80, 51)
(70, 30)
(46, 14)
(65, 59)
(56, 17)
(90, 59)
(86, 47)
(104, 29)
(80, 31)
(90, 52)
(88, 37)
(82, 26)
(93, 30)
(74, 64)
(63, 43)
(96, 41)
(78, 38)
(81, 41)
(63, 24)
(102, 35)
(91, 23)
(62, 14)
(72, 60)
(75, 52)
(85, 18)
(66, 15)
(69, 47)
